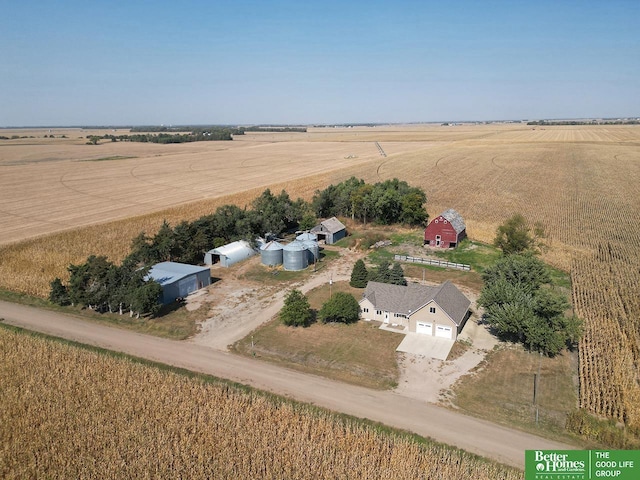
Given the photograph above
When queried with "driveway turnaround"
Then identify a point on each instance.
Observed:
(426, 345)
(474, 435)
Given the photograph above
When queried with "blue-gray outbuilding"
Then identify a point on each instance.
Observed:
(179, 279)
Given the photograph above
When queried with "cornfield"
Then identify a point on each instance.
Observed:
(580, 182)
(68, 412)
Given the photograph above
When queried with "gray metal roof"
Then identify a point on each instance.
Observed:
(455, 219)
(169, 272)
(235, 251)
(272, 245)
(410, 299)
(331, 225)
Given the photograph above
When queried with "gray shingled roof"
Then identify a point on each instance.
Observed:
(455, 219)
(331, 225)
(409, 299)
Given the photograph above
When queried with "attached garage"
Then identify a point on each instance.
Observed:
(443, 331)
(423, 327)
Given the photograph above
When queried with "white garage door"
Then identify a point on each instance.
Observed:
(444, 332)
(422, 327)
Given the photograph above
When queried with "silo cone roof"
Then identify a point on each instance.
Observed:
(273, 245)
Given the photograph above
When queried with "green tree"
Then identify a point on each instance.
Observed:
(521, 305)
(516, 236)
(341, 307)
(396, 275)
(145, 299)
(58, 293)
(525, 270)
(163, 243)
(381, 273)
(412, 208)
(296, 310)
(359, 275)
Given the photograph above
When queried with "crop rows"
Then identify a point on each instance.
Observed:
(72, 413)
(581, 183)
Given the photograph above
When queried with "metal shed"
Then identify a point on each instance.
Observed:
(330, 230)
(229, 254)
(179, 279)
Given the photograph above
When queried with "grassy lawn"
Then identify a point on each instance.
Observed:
(501, 391)
(172, 322)
(360, 353)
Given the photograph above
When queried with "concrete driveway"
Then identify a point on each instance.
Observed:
(426, 345)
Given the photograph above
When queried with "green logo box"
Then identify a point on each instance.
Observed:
(582, 464)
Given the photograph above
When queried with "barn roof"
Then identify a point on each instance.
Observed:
(455, 219)
(166, 273)
(331, 225)
(409, 299)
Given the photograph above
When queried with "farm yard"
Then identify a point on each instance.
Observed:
(579, 181)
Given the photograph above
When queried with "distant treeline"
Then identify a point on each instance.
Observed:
(200, 134)
(585, 122)
(258, 128)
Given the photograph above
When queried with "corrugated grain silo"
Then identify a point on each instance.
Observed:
(271, 253)
(313, 250)
(295, 256)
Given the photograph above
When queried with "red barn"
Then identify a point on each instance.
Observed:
(446, 230)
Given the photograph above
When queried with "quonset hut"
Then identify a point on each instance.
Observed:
(229, 254)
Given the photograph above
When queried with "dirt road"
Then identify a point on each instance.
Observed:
(477, 436)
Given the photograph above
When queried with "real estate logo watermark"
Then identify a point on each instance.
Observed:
(582, 464)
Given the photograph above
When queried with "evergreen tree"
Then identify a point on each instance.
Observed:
(396, 275)
(382, 273)
(359, 275)
(58, 293)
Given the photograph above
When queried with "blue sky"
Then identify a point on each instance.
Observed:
(250, 62)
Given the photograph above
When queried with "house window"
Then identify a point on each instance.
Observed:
(378, 312)
(365, 310)
(432, 309)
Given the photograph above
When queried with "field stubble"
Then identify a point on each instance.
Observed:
(580, 182)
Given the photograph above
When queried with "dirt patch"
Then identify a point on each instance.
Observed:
(237, 306)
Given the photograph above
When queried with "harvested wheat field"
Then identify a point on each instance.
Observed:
(581, 182)
(68, 412)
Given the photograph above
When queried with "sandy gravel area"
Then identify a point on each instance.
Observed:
(237, 307)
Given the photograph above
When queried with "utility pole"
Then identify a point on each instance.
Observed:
(330, 284)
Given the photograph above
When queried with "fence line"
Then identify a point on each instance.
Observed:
(429, 261)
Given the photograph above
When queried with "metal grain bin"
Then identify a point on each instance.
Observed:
(313, 250)
(271, 253)
(307, 236)
(295, 256)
